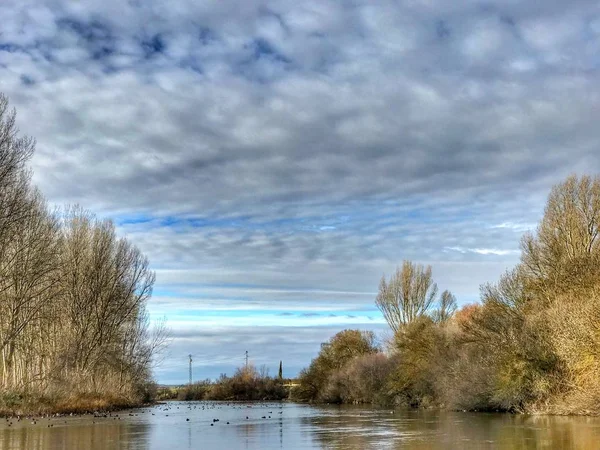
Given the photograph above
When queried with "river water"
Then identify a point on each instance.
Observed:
(192, 425)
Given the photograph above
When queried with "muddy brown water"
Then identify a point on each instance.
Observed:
(192, 425)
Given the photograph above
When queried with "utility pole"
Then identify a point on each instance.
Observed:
(246, 359)
(190, 355)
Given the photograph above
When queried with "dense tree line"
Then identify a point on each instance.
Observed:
(73, 321)
(532, 344)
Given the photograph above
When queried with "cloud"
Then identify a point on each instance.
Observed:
(283, 156)
(483, 251)
(516, 227)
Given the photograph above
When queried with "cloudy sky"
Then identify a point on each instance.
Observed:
(275, 158)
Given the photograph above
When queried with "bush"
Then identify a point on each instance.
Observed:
(341, 349)
(362, 380)
(246, 384)
(196, 391)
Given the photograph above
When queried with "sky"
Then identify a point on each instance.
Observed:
(274, 159)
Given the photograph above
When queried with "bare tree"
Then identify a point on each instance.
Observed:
(28, 284)
(565, 251)
(446, 307)
(409, 294)
(15, 151)
(107, 283)
(72, 293)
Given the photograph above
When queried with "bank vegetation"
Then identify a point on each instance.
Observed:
(246, 384)
(74, 331)
(532, 343)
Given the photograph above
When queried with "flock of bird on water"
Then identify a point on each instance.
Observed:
(52, 419)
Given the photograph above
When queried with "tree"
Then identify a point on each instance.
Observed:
(409, 294)
(347, 345)
(537, 328)
(15, 184)
(281, 370)
(27, 247)
(29, 286)
(342, 348)
(107, 283)
(565, 250)
(446, 309)
(73, 295)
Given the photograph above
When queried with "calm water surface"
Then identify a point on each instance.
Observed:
(289, 426)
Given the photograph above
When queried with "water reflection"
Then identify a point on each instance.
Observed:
(361, 429)
(74, 436)
(189, 426)
(254, 434)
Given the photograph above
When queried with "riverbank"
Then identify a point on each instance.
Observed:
(247, 384)
(18, 405)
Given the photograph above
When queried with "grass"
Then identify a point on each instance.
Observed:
(14, 404)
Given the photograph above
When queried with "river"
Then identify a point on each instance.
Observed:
(194, 425)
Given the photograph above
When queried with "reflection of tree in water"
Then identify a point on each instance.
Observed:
(252, 433)
(345, 427)
(351, 427)
(107, 435)
(247, 430)
(360, 428)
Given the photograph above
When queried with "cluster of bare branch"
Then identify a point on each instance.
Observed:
(72, 294)
(410, 294)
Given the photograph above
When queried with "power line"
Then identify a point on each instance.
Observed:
(205, 361)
